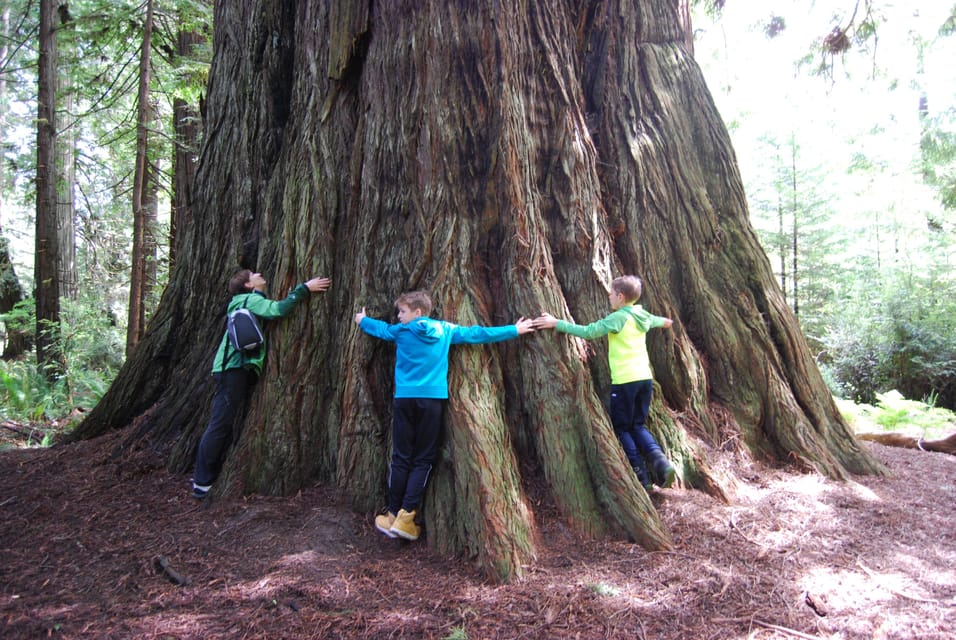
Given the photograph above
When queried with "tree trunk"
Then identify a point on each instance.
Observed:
(16, 339)
(511, 160)
(187, 125)
(138, 287)
(686, 24)
(46, 269)
(150, 234)
(65, 164)
(795, 235)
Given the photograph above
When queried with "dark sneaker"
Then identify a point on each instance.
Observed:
(199, 491)
(643, 478)
(665, 472)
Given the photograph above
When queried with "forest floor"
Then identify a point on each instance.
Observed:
(83, 537)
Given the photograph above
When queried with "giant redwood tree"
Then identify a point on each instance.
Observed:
(511, 157)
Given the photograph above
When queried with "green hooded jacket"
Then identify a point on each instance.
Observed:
(227, 357)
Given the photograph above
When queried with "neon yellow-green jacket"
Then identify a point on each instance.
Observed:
(626, 330)
(227, 357)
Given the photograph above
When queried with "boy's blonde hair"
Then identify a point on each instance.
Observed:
(628, 286)
(416, 300)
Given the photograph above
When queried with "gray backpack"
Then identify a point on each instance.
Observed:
(244, 332)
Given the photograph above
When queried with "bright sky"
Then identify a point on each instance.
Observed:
(760, 91)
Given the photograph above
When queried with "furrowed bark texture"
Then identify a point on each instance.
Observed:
(511, 158)
(680, 190)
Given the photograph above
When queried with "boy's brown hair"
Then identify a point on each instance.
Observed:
(628, 286)
(416, 300)
(237, 283)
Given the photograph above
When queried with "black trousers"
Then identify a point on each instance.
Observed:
(232, 388)
(416, 428)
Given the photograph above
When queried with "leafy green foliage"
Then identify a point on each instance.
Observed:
(27, 396)
(938, 155)
(903, 339)
(775, 26)
(457, 633)
(793, 217)
(851, 183)
(948, 27)
(893, 412)
(21, 318)
(98, 57)
(93, 346)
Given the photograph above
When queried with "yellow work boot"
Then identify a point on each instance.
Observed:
(384, 523)
(404, 525)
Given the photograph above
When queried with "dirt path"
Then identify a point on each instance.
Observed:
(794, 556)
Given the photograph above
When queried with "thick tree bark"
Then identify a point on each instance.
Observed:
(512, 158)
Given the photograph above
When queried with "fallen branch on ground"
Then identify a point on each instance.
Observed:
(946, 445)
(767, 625)
(162, 564)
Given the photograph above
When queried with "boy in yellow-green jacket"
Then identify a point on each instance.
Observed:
(631, 376)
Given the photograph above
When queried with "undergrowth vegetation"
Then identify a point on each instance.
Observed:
(894, 413)
(92, 345)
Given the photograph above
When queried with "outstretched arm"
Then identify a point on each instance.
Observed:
(318, 284)
(524, 325)
(265, 308)
(376, 328)
(545, 321)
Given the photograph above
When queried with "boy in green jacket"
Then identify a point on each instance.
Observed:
(235, 372)
(631, 376)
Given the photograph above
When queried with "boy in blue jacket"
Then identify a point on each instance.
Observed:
(235, 373)
(631, 377)
(421, 389)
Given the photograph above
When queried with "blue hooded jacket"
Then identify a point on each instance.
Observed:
(421, 362)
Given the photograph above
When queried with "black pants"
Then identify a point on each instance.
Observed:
(416, 427)
(232, 387)
(630, 403)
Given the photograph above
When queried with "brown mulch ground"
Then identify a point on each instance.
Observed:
(82, 538)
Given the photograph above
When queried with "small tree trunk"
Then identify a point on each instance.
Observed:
(795, 235)
(138, 286)
(16, 340)
(184, 174)
(150, 237)
(187, 125)
(65, 166)
(46, 269)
